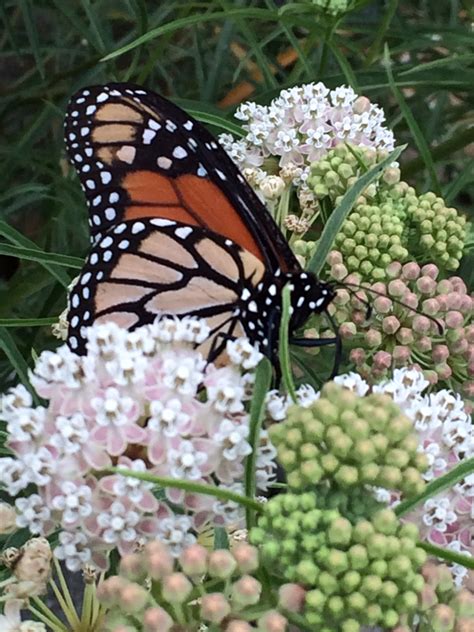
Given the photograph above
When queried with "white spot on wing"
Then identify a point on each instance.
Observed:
(179, 152)
(148, 136)
(164, 162)
(162, 222)
(183, 232)
(188, 125)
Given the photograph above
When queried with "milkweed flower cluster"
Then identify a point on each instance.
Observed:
(438, 336)
(146, 401)
(201, 588)
(389, 222)
(300, 126)
(360, 572)
(441, 430)
(349, 441)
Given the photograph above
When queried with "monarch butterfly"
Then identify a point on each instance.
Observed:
(175, 227)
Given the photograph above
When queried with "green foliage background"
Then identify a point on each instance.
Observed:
(187, 51)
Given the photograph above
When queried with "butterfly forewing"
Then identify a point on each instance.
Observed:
(138, 155)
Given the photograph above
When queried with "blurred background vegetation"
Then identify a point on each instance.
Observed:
(208, 56)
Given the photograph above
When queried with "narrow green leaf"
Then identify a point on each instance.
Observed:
(188, 486)
(334, 223)
(17, 239)
(197, 18)
(446, 554)
(27, 322)
(31, 30)
(418, 136)
(8, 346)
(263, 378)
(437, 485)
(284, 345)
(217, 121)
(41, 257)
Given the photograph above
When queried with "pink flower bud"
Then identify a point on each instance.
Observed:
(394, 269)
(157, 619)
(405, 336)
(291, 597)
(272, 621)
(459, 347)
(359, 317)
(108, 591)
(454, 300)
(334, 258)
(424, 344)
(357, 356)
(382, 305)
(428, 598)
(445, 286)
(342, 297)
(421, 324)
(133, 598)
(159, 565)
(458, 284)
(411, 271)
(123, 627)
(443, 618)
(426, 285)
(397, 288)
(443, 371)
(193, 560)
(466, 304)
(430, 270)
(246, 591)
(401, 355)
(391, 175)
(373, 338)
(214, 607)
(390, 325)
(239, 626)
(440, 353)
(443, 302)
(246, 557)
(221, 564)
(348, 330)
(431, 376)
(469, 333)
(411, 300)
(361, 105)
(176, 588)
(454, 319)
(382, 360)
(339, 271)
(132, 566)
(468, 389)
(430, 306)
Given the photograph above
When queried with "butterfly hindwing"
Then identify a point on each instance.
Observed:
(144, 268)
(138, 155)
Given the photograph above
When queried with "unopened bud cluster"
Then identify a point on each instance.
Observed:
(417, 319)
(350, 441)
(154, 591)
(441, 608)
(357, 573)
(389, 221)
(333, 7)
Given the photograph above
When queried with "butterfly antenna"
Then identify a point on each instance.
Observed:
(346, 285)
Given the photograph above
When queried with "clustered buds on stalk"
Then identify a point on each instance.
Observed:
(211, 587)
(364, 572)
(389, 222)
(349, 441)
(398, 335)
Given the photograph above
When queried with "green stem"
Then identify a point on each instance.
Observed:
(449, 556)
(263, 378)
(188, 486)
(50, 620)
(284, 354)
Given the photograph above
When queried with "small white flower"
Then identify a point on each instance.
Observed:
(438, 513)
(229, 510)
(118, 523)
(73, 502)
(183, 374)
(114, 409)
(277, 405)
(243, 353)
(14, 475)
(186, 461)
(306, 395)
(16, 399)
(354, 382)
(232, 438)
(175, 531)
(168, 417)
(32, 513)
(27, 424)
(71, 433)
(73, 549)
